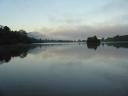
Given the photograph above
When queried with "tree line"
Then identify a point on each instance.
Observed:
(8, 36)
(117, 38)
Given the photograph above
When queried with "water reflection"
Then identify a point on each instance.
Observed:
(118, 45)
(113, 44)
(64, 70)
(93, 45)
(8, 52)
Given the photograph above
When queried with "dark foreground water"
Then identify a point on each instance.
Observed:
(64, 70)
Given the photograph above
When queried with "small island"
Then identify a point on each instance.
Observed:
(93, 42)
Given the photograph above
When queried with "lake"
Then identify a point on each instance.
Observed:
(72, 69)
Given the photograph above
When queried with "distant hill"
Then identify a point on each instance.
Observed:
(118, 38)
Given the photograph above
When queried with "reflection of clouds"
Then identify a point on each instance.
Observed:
(64, 67)
(80, 52)
(66, 53)
(37, 50)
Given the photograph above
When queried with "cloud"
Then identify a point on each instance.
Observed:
(115, 6)
(84, 31)
(110, 19)
(112, 11)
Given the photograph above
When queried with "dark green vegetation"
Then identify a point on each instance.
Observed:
(93, 40)
(118, 38)
(7, 36)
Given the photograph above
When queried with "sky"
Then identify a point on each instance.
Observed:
(67, 19)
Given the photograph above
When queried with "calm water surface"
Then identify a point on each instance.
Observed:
(64, 70)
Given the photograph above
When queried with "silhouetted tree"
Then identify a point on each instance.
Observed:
(93, 39)
(14, 37)
(117, 38)
(6, 28)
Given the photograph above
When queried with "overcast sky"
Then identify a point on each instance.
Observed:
(69, 19)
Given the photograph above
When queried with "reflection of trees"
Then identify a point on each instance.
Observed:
(93, 45)
(118, 45)
(8, 52)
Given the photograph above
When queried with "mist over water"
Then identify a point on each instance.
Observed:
(74, 69)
